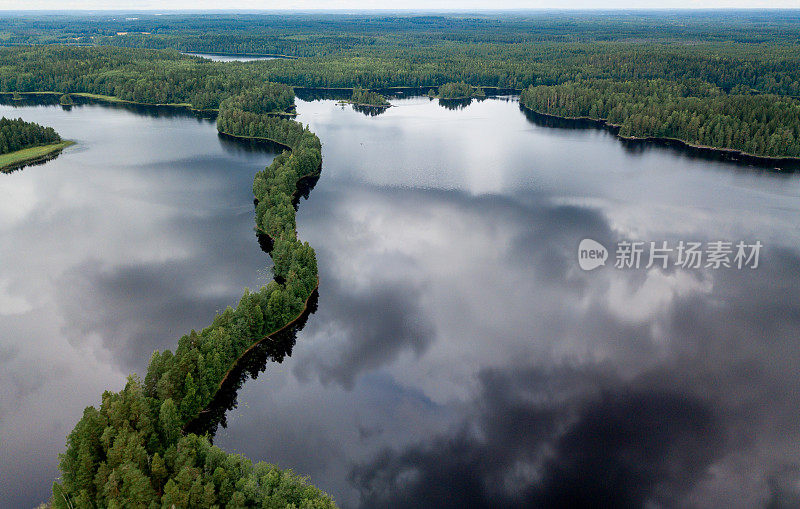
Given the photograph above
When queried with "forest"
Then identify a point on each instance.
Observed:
(140, 76)
(754, 49)
(731, 81)
(16, 134)
(694, 112)
(133, 450)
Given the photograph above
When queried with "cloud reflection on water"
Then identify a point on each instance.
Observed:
(458, 350)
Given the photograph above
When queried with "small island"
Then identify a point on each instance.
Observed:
(23, 143)
(457, 90)
(367, 99)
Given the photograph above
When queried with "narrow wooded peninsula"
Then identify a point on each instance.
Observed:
(23, 143)
(133, 450)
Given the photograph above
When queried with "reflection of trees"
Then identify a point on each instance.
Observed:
(7, 99)
(455, 104)
(370, 111)
(42, 99)
(235, 145)
(312, 94)
(643, 145)
(148, 110)
(272, 349)
(304, 187)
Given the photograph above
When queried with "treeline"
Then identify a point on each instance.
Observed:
(314, 34)
(338, 57)
(364, 97)
(16, 134)
(756, 50)
(694, 112)
(767, 68)
(133, 451)
(735, 117)
(145, 76)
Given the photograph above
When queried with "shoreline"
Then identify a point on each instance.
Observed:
(32, 155)
(253, 345)
(116, 100)
(364, 105)
(112, 99)
(233, 55)
(254, 138)
(405, 87)
(732, 154)
(256, 342)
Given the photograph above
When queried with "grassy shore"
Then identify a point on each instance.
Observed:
(107, 98)
(19, 158)
(112, 99)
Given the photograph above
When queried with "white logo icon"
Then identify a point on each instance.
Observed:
(591, 254)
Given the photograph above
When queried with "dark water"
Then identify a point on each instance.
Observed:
(228, 58)
(458, 356)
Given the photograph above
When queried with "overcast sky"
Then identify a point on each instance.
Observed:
(386, 4)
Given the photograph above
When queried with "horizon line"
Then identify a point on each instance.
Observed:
(453, 10)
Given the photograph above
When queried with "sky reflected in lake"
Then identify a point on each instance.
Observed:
(229, 58)
(459, 356)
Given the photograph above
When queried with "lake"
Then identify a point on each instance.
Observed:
(229, 58)
(458, 348)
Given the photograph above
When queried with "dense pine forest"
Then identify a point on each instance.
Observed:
(694, 112)
(18, 134)
(756, 50)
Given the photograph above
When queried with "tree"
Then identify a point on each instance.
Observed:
(170, 422)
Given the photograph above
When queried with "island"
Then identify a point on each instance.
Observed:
(457, 91)
(367, 99)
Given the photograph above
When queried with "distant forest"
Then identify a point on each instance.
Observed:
(759, 51)
(727, 79)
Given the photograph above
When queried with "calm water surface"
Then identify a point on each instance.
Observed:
(228, 58)
(458, 351)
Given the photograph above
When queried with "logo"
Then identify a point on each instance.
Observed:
(591, 254)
